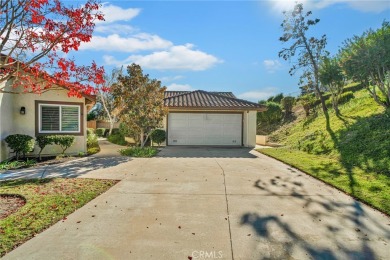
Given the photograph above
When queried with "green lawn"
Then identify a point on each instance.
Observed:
(351, 153)
(370, 187)
(47, 202)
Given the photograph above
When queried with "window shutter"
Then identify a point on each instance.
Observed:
(50, 118)
(70, 118)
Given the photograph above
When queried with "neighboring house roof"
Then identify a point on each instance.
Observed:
(200, 99)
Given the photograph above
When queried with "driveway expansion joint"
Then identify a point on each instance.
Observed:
(227, 208)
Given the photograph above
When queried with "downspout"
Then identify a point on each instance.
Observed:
(247, 128)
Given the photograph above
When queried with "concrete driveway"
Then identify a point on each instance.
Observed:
(215, 203)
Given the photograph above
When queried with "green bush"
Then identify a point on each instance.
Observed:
(115, 131)
(117, 139)
(91, 116)
(273, 114)
(90, 131)
(308, 102)
(92, 144)
(64, 141)
(92, 141)
(101, 132)
(134, 151)
(344, 98)
(287, 104)
(42, 141)
(20, 144)
(277, 98)
(16, 164)
(93, 150)
(158, 136)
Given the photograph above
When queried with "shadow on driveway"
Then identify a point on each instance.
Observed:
(205, 152)
(320, 227)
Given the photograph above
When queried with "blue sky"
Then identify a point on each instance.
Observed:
(218, 45)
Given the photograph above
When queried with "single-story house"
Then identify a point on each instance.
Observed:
(51, 112)
(210, 118)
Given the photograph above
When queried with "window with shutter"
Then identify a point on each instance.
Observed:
(55, 118)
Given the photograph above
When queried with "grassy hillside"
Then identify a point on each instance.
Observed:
(353, 153)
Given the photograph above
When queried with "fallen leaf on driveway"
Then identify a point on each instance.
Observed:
(78, 221)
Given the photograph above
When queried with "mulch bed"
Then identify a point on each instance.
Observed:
(10, 204)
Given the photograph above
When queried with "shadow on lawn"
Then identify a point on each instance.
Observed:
(364, 144)
(321, 226)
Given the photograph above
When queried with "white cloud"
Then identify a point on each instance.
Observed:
(137, 42)
(272, 65)
(114, 13)
(365, 6)
(114, 28)
(179, 87)
(256, 95)
(180, 57)
(171, 78)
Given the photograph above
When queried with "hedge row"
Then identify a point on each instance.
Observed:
(22, 144)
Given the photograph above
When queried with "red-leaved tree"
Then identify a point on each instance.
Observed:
(36, 35)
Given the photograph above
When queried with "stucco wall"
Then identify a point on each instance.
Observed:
(12, 122)
(249, 129)
(6, 123)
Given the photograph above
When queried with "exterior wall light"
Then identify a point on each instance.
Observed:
(22, 110)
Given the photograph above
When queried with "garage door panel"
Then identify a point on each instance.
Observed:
(204, 129)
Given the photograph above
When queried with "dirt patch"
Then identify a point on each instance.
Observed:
(10, 204)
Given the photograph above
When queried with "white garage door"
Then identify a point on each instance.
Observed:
(204, 129)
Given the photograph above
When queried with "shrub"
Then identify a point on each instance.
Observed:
(144, 152)
(64, 141)
(16, 164)
(308, 102)
(277, 98)
(42, 141)
(117, 139)
(92, 141)
(344, 98)
(92, 144)
(91, 116)
(90, 131)
(20, 144)
(287, 104)
(101, 132)
(158, 136)
(93, 150)
(273, 114)
(115, 131)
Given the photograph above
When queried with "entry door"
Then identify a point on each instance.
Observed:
(204, 129)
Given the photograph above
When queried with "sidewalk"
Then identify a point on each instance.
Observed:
(103, 164)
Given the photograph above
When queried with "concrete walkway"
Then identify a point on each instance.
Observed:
(106, 164)
(215, 203)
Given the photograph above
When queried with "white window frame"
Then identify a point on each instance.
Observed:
(59, 131)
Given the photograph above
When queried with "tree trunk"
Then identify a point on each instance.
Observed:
(142, 138)
(111, 126)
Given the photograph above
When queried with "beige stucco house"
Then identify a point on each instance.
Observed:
(51, 112)
(210, 118)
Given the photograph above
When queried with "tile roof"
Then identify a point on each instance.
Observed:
(175, 93)
(200, 99)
